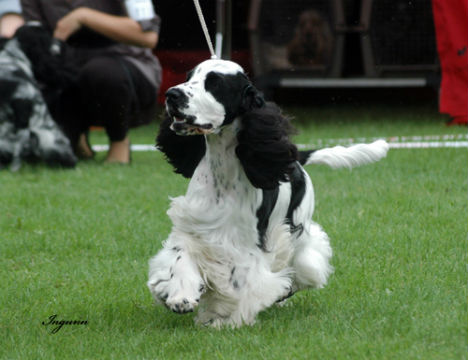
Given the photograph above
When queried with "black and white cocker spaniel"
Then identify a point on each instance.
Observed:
(243, 237)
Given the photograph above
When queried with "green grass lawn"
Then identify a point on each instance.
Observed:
(76, 243)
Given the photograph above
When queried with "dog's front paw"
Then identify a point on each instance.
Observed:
(182, 297)
(186, 298)
(179, 291)
(182, 306)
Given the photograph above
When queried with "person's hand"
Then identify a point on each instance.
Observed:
(69, 24)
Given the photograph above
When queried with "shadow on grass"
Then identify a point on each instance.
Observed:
(136, 317)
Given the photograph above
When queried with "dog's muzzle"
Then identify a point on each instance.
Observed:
(183, 124)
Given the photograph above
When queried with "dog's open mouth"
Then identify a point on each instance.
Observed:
(185, 126)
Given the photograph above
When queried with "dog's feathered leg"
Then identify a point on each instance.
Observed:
(174, 279)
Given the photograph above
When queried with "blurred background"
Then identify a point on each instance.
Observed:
(310, 50)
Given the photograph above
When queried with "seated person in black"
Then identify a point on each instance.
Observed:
(111, 42)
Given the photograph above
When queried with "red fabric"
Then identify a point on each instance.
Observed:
(176, 64)
(451, 24)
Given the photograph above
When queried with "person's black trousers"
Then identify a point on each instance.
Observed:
(110, 92)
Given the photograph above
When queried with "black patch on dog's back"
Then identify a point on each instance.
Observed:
(270, 197)
(298, 189)
(263, 214)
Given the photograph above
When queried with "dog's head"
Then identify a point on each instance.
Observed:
(312, 41)
(215, 93)
(310, 25)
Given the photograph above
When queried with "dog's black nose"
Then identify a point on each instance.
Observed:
(174, 94)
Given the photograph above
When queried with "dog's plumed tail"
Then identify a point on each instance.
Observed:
(347, 157)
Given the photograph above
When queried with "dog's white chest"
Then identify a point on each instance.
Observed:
(219, 206)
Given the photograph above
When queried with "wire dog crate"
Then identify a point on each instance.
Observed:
(296, 38)
(398, 38)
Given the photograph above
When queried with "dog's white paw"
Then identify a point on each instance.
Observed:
(181, 305)
(175, 281)
(185, 300)
(177, 294)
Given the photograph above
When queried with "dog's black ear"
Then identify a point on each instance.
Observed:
(182, 152)
(252, 98)
(264, 148)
